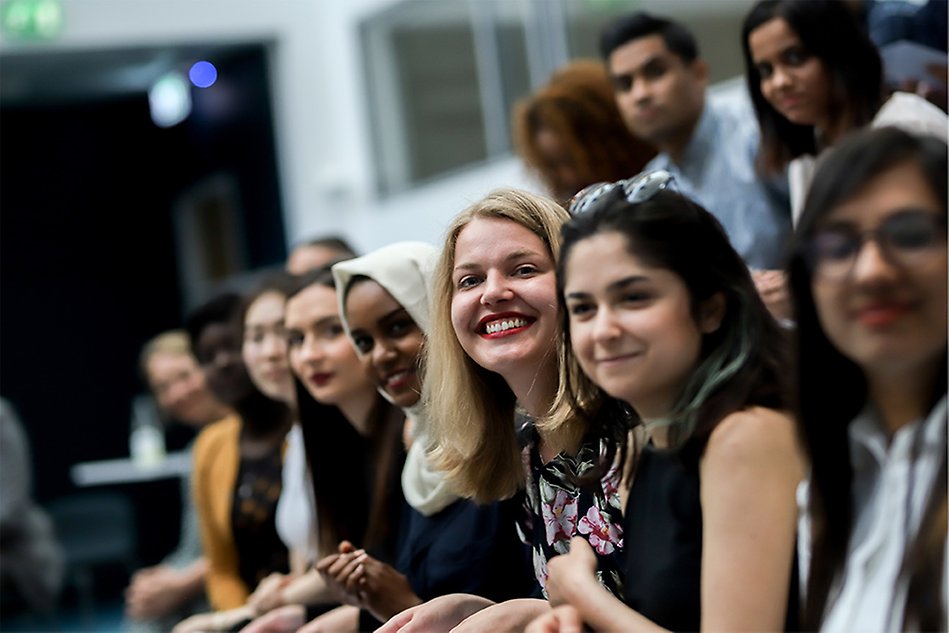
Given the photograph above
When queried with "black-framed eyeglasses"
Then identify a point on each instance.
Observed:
(906, 239)
(637, 189)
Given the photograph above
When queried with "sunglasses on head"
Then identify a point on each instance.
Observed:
(637, 189)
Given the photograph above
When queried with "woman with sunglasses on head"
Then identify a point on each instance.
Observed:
(814, 76)
(868, 278)
(662, 316)
(495, 356)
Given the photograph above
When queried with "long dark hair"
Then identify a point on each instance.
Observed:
(741, 362)
(831, 32)
(355, 479)
(832, 389)
(260, 414)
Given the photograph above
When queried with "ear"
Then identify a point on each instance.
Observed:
(699, 68)
(711, 313)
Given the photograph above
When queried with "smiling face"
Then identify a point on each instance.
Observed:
(631, 325)
(179, 387)
(504, 306)
(387, 337)
(320, 354)
(795, 82)
(659, 95)
(218, 351)
(265, 346)
(887, 317)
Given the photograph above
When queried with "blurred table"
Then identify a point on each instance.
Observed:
(125, 471)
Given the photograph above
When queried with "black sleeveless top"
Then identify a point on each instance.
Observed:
(663, 537)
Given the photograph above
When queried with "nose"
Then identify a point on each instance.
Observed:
(309, 350)
(640, 91)
(780, 78)
(604, 326)
(274, 346)
(382, 353)
(871, 264)
(496, 289)
(177, 392)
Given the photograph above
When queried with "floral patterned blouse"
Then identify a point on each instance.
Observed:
(556, 509)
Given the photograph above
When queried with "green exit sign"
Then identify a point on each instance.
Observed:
(31, 19)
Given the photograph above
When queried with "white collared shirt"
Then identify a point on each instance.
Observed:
(889, 484)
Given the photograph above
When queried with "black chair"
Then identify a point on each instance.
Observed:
(95, 529)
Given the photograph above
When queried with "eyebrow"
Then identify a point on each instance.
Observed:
(518, 254)
(655, 57)
(615, 286)
(316, 324)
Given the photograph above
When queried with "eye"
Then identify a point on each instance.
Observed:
(468, 281)
(363, 343)
(654, 70)
(294, 338)
(835, 244)
(796, 56)
(622, 83)
(764, 71)
(580, 309)
(333, 330)
(525, 270)
(636, 297)
(910, 231)
(401, 327)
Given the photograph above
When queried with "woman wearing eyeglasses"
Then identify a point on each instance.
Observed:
(869, 276)
(662, 316)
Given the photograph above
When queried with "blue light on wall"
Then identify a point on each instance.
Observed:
(203, 74)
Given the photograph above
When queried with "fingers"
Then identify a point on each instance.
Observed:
(396, 622)
(344, 565)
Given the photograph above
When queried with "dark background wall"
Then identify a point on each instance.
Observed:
(89, 257)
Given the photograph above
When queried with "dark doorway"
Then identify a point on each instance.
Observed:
(90, 257)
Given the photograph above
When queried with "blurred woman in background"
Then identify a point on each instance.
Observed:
(570, 134)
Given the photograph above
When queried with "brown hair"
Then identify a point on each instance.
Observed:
(579, 106)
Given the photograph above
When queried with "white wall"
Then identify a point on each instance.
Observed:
(319, 104)
(319, 110)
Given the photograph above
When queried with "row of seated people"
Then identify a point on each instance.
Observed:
(615, 384)
(589, 418)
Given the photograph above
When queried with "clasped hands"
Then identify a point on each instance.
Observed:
(356, 578)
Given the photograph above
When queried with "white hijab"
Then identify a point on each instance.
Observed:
(405, 270)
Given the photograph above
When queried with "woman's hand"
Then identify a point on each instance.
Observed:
(339, 620)
(155, 592)
(569, 572)
(269, 593)
(380, 589)
(336, 569)
(562, 619)
(286, 619)
(510, 615)
(217, 621)
(437, 615)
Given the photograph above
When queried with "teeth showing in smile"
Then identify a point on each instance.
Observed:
(396, 377)
(506, 324)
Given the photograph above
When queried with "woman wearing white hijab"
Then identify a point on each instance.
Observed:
(448, 544)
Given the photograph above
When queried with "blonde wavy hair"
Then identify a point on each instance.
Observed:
(472, 409)
(175, 342)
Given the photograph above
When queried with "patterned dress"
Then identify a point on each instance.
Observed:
(556, 509)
